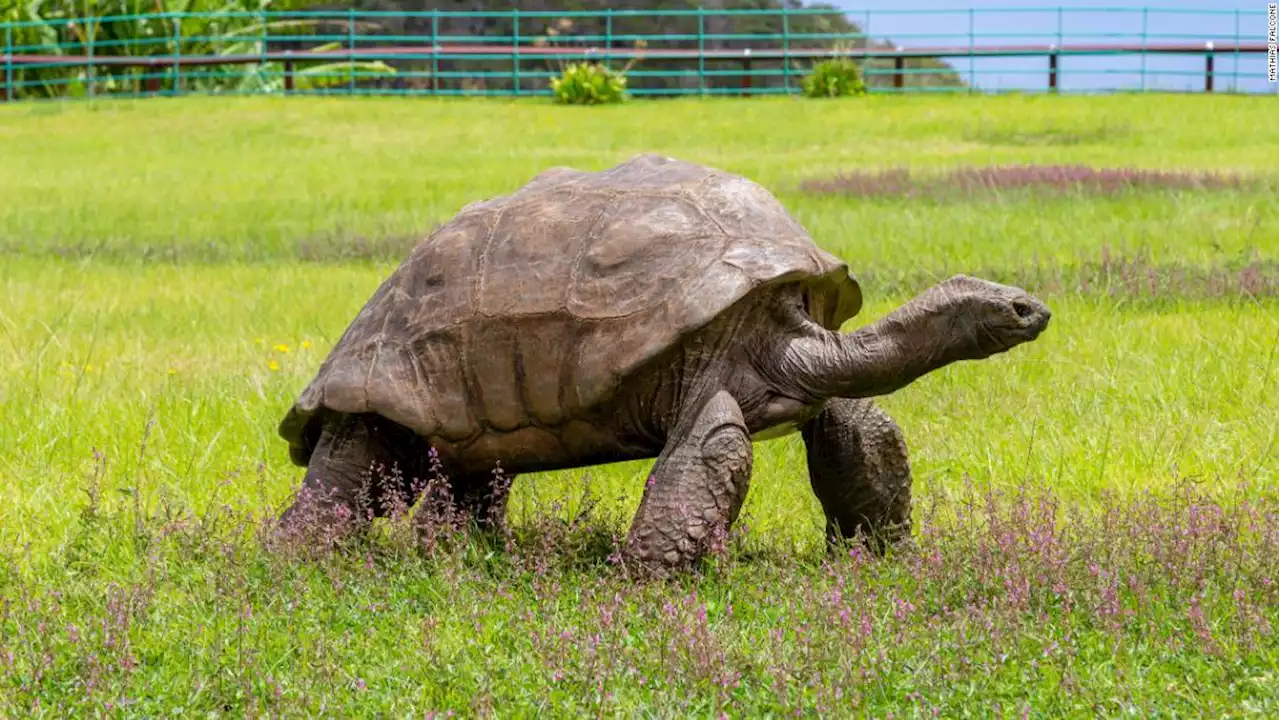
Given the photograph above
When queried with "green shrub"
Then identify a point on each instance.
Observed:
(129, 28)
(837, 77)
(589, 84)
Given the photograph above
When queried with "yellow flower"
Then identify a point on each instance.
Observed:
(281, 348)
(306, 344)
(173, 371)
(273, 365)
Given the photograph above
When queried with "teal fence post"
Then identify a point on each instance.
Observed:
(351, 50)
(1054, 69)
(1144, 50)
(1208, 67)
(435, 52)
(515, 51)
(8, 63)
(702, 54)
(1235, 65)
(93, 32)
(786, 48)
(262, 43)
(867, 61)
(608, 38)
(971, 40)
(177, 54)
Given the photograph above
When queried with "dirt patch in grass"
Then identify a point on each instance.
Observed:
(968, 181)
(328, 248)
(1132, 276)
(1049, 137)
(339, 248)
(1110, 274)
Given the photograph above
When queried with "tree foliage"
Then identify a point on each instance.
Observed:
(146, 29)
(834, 29)
(75, 27)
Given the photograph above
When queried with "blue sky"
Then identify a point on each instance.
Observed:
(947, 22)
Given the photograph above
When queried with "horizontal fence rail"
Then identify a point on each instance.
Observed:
(663, 52)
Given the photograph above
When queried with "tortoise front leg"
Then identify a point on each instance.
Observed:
(358, 466)
(696, 488)
(859, 470)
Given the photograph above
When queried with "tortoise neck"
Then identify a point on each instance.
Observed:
(877, 359)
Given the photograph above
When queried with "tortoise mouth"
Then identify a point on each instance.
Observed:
(1024, 322)
(1027, 318)
(1034, 315)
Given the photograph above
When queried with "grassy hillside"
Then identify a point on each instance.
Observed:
(174, 272)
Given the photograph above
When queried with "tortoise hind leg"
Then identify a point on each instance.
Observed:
(480, 499)
(359, 465)
(484, 499)
(859, 470)
(697, 486)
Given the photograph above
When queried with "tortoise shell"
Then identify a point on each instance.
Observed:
(533, 308)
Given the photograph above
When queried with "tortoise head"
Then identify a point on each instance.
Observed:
(962, 318)
(967, 318)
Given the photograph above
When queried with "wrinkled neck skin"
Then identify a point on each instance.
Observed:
(781, 366)
(876, 359)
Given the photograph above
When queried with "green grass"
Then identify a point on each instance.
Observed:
(1112, 397)
(156, 253)
(263, 178)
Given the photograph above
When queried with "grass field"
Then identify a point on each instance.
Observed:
(1097, 521)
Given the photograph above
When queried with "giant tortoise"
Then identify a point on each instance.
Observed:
(656, 309)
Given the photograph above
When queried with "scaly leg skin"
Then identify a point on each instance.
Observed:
(484, 499)
(696, 488)
(359, 464)
(858, 468)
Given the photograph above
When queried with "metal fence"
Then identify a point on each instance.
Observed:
(663, 52)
